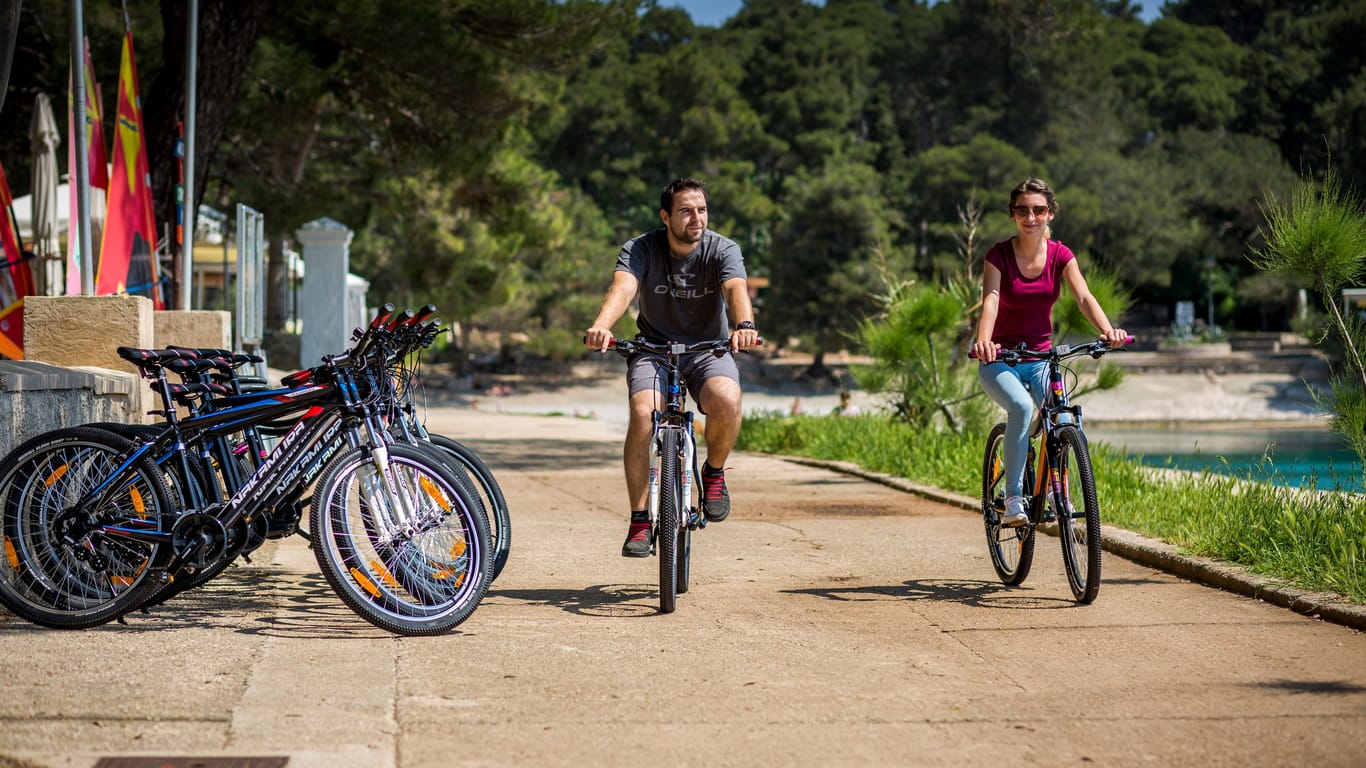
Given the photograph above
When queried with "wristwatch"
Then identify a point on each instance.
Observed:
(745, 325)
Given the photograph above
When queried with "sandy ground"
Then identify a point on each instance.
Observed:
(598, 390)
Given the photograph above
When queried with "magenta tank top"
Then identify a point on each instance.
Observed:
(1026, 306)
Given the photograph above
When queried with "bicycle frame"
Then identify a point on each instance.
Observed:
(675, 416)
(1057, 468)
(334, 420)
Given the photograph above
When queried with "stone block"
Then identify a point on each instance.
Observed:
(71, 331)
(192, 328)
(37, 397)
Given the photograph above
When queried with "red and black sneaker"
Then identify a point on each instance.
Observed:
(638, 536)
(715, 497)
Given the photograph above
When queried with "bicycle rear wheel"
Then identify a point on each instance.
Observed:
(70, 562)
(1078, 526)
(500, 521)
(418, 575)
(1011, 549)
(670, 510)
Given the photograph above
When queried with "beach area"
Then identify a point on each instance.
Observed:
(597, 389)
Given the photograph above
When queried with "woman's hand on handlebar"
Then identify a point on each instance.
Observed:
(984, 351)
(598, 338)
(1116, 337)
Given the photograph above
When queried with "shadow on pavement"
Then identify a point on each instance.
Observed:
(984, 594)
(530, 455)
(1333, 687)
(603, 600)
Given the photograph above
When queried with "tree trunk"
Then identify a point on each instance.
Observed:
(227, 37)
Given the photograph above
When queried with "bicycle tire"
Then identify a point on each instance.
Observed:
(1011, 549)
(426, 577)
(683, 571)
(666, 531)
(500, 520)
(1079, 531)
(58, 584)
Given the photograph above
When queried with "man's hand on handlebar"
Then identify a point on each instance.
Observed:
(598, 338)
(744, 338)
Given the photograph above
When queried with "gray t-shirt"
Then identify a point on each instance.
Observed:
(681, 299)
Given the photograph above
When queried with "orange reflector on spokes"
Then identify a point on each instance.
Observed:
(11, 555)
(435, 493)
(384, 573)
(365, 583)
(56, 475)
(138, 503)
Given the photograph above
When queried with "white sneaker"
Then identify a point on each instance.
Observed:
(1016, 513)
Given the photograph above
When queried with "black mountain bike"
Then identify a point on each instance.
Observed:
(92, 529)
(1058, 482)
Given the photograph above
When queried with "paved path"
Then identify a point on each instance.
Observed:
(831, 621)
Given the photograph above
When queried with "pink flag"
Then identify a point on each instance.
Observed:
(98, 165)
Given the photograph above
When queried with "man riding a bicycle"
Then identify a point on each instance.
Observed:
(690, 286)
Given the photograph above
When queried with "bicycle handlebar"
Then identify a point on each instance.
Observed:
(1093, 348)
(717, 347)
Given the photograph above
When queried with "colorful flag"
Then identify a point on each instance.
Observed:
(98, 165)
(15, 278)
(128, 254)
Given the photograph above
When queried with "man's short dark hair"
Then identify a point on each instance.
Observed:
(666, 198)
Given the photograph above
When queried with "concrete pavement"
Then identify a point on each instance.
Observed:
(831, 621)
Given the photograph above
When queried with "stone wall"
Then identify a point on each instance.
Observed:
(73, 374)
(38, 397)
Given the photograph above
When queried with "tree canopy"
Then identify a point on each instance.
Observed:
(492, 154)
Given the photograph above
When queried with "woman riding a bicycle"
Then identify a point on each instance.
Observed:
(1021, 281)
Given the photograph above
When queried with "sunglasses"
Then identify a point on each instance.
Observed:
(1023, 211)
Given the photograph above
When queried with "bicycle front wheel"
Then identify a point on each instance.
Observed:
(75, 558)
(500, 521)
(1011, 549)
(409, 553)
(1074, 502)
(670, 511)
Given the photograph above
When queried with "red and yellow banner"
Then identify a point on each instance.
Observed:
(16, 280)
(128, 254)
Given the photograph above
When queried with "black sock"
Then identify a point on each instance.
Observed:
(640, 516)
(708, 470)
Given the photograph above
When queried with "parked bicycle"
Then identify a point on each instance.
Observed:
(1058, 477)
(674, 472)
(92, 529)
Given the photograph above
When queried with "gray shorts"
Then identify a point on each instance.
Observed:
(647, 372)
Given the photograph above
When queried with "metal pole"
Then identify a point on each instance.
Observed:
(191, 206)
(82, 180)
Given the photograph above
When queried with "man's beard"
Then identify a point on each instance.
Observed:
(682, 235)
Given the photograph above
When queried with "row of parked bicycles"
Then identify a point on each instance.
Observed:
(409, 528)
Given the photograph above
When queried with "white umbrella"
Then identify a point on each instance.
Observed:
(48, 274)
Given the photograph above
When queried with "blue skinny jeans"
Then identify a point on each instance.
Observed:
(1019, 390)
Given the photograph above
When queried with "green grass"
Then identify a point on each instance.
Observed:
(1306, 539)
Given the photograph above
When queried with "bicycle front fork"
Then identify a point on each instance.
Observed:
(687, 463)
